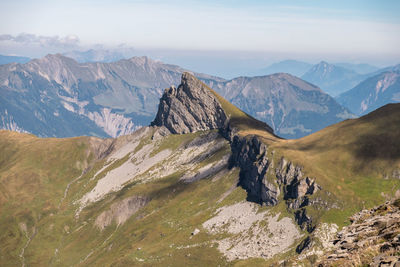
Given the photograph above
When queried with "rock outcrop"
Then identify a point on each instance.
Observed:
(120, 211)
(251, 156)
(189, 108)
(372, 239)
(264, 184)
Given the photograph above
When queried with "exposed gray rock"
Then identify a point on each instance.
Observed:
(189, 108)
(374, 233)
(250, 155)
(120, 211)
(160, 132)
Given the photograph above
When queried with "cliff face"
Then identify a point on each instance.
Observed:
(251, 156)
(268, 184)
(189, 108)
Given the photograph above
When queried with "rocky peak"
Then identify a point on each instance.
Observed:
(143, 60)
(190, 108)
(323, 66)
(55, 58)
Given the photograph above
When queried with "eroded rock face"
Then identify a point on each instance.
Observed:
(250, 156)
(264, 184)
(189, 108)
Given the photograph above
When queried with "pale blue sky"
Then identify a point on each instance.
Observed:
(309, 29)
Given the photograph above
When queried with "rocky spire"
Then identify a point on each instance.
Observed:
(189, 108)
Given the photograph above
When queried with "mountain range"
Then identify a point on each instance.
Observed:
(293, 67)
(99, 55)
(299, 68)
(205, 184)
(333, 79)
(292, 107)
(56, 96)
(361, 68)
(373, 93)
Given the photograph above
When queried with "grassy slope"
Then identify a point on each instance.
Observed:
(33, 175)
(162, 230)
(354, 159)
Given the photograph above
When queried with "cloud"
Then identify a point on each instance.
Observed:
(67, 42)
(36, 46)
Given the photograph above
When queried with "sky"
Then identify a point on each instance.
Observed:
(251, 30)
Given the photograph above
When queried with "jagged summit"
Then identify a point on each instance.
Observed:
(189, 108)
(193, 106)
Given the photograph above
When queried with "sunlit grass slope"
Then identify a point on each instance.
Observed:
(34, 173)
(355, 160)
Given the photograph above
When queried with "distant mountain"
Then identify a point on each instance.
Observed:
(291, 106)
(332, 79)
(13, 59)
(57, 96)
(390, 69)
(373, 93)
(359, 68)
(98, 55)
(294, 67)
